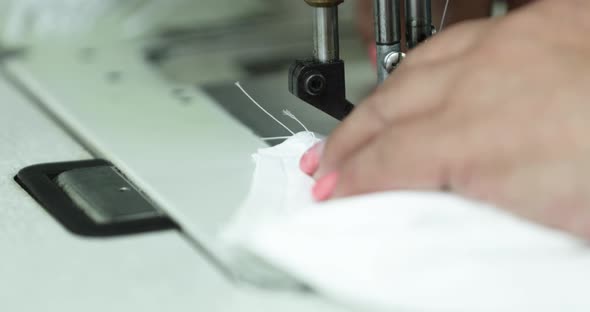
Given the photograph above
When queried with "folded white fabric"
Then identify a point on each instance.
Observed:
(406, 251)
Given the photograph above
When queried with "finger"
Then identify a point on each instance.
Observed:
(411, 158)
(409, 95)
(412, 90)
(429, 152)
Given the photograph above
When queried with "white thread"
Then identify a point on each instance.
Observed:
(262, 108)
(444, 16)
(286, 112)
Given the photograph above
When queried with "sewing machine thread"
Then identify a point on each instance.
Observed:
(444, 15)
(262, 108)
(285, 112)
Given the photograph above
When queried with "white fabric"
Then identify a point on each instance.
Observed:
(406, 251)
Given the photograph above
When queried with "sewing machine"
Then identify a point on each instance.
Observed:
(320, 80)
(157, 104)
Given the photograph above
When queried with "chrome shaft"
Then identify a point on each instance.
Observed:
(418, 21)
(325, 36)
(388, 35)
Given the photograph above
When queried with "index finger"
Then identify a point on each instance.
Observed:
(415, 88)
(409, 95)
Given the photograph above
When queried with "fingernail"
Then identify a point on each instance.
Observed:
(324, 187)
(373, 55)
(310, 161)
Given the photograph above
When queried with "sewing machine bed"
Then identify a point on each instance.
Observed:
(187, 147)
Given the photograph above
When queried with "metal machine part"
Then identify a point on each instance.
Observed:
(418, 22)
(92, 198)
(326, 37)
(321, 82)
(105, 195)
(387, 36)
(418, 17)
(322, 85)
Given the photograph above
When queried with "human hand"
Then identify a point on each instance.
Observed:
(495, 110)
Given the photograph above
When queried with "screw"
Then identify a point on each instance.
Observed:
(392, 60)
(315, 84)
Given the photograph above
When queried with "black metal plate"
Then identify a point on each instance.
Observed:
(38, 181)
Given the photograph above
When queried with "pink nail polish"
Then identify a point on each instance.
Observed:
(310, 161)
(324, 187)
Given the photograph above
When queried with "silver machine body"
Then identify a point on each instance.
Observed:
(388, 19)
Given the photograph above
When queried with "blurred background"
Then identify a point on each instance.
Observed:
(205, 43)
(238, 38)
